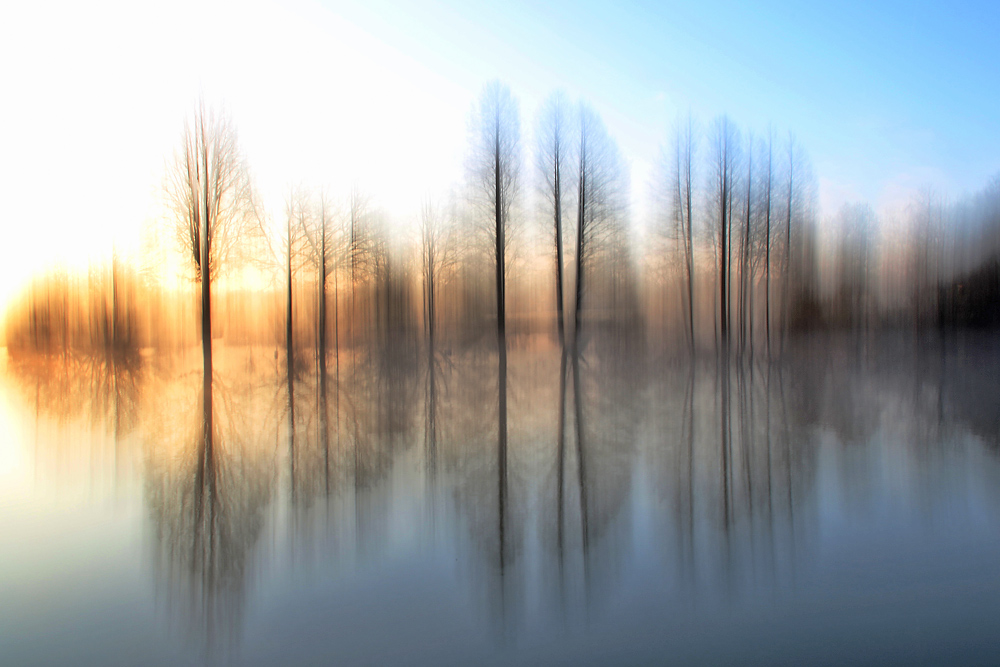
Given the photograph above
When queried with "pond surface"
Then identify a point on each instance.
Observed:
(459, 507)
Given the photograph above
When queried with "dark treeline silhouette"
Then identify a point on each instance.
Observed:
(935, 269)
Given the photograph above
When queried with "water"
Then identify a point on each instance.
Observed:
(841, 506)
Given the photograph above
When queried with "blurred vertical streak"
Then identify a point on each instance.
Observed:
(502, 454)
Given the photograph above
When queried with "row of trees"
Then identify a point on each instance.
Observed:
(219, 219)
(345, 252)
(736, 214)
(732, 259)
(931, 264)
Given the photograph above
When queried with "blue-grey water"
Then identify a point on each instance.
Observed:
(840, 505)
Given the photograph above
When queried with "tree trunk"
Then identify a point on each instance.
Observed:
(767, 253)
(206, 273)
(557, 197)
(581, 237)
(787, 292)
(689, 241)
(746, 275)
(498, 204)
(321, 333)
(723, 205)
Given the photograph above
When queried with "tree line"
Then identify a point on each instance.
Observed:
(730, 263)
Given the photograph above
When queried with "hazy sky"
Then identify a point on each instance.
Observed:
(885, 97)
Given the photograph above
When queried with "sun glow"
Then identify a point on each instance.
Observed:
(99, 106)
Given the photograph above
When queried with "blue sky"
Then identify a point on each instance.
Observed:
(884, 96)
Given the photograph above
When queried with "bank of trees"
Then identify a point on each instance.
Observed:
(747, 261)
(335, 272)
(737, 238)
(539, 237)
(939, 267)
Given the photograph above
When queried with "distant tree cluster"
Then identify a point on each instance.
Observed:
(932, 265)
(62, 311)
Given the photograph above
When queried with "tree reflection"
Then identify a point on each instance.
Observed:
(208, 483)
(549, 471)
(588, 481)
(100, 387)
(607, 415)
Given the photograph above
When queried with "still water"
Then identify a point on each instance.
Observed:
(457, 507)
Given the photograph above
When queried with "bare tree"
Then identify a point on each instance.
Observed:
(746, 276)
(601, 197)
(214, 205)
(360, 250)
(298, 218)
(759, 241)
(328, 244)
(678, 163)
(438, 258)
(495, 171)
(767, 240)
(786, 271)
(283, 250)
(495, 174)
(799, 291)
(724, 151)
(552, 159)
